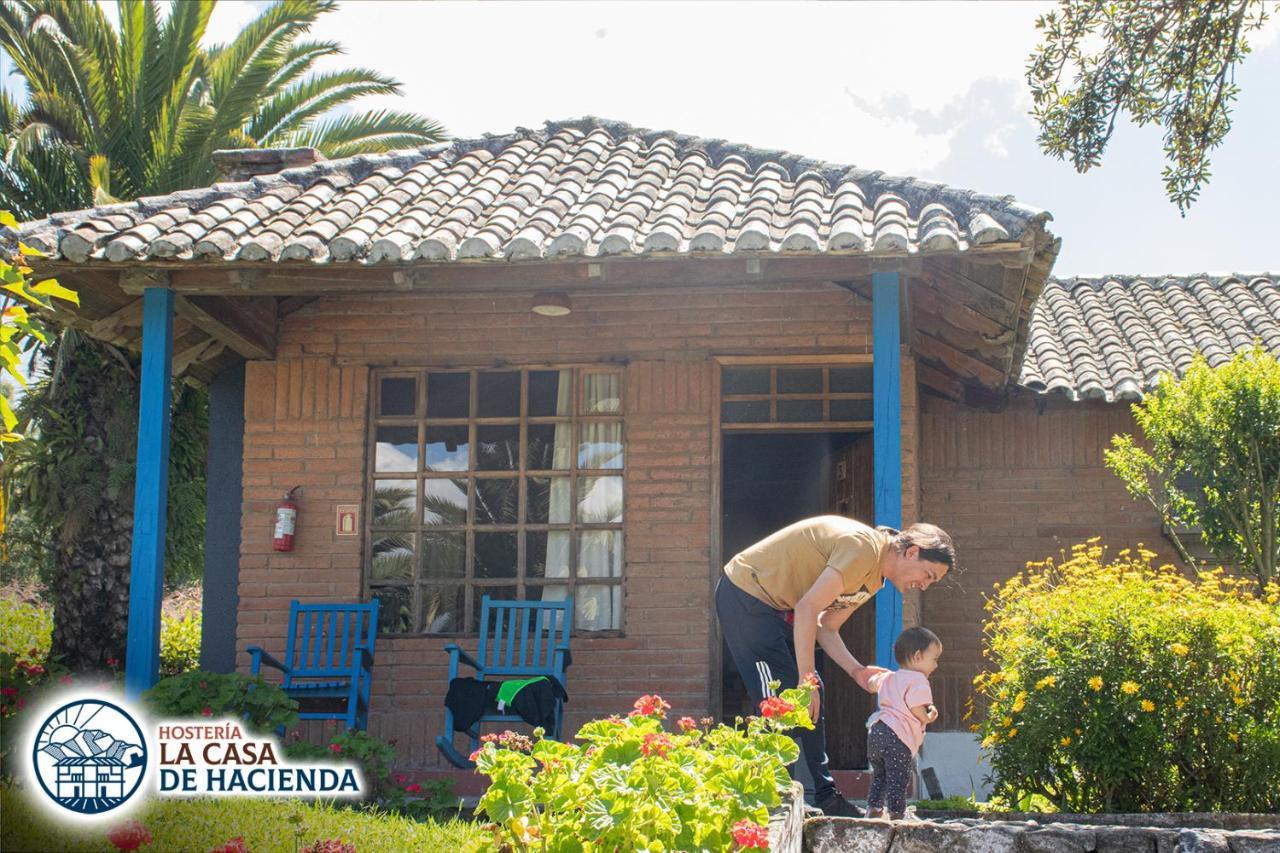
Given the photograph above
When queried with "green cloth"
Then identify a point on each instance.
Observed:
(509, 689)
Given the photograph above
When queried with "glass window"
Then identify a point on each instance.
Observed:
(839, 395)
(515, 490)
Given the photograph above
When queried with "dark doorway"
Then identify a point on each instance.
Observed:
(770, 480)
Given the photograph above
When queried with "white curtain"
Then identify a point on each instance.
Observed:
(559, 509)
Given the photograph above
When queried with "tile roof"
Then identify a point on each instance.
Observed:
(1111, 337)
(586, 187)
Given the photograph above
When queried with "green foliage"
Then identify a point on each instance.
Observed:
(1160, 62)
(1221, 426)
(1119, 686)
(266, 825)
(433, 798)
(949, 804)
(179, 643)
(134, 110)
(25, 633)
(262, 705)
(629, 785)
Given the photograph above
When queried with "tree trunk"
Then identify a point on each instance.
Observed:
(91, 592)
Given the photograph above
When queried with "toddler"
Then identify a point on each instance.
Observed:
(897, 730)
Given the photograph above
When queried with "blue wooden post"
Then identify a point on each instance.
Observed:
(151, 493)
(886, 338)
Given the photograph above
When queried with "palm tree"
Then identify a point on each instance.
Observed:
(121, 112)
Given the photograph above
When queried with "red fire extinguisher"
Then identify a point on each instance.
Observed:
(286, 522)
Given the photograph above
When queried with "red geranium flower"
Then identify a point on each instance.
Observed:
(65, 679)
(750, 836)
(206, 711)
(330, 845)
(114, 662)
(476, 754)
(686, 724)
(415, 788)
(651, 706)
(9, 691)
(235, 845)
(401, 778)
(335, 747)
(811, 679)
(656, 744)
(129, 836)
(775, 707)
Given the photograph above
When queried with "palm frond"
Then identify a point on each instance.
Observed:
(299, 60)
(379, 130)
(296, 106)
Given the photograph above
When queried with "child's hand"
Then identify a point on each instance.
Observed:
(931, 712)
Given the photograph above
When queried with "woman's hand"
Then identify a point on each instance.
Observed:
(863, 676)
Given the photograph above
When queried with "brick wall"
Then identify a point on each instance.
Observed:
(306, 420)
(1019, 485)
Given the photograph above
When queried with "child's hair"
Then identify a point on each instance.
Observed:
(912, 642)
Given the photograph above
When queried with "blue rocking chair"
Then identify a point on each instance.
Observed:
(518, 639)
(328, 666)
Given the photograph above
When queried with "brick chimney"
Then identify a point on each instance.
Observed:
(238, 164)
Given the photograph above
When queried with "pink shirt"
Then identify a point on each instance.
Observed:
(899, 692)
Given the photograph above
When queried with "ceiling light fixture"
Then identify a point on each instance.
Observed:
(552, 303)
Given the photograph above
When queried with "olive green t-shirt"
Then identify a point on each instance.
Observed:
(781, 568)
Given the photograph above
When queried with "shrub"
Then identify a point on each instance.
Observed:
(26, 633)
(630, 785)
(263, 706)
(1119, 686)
(179, 643)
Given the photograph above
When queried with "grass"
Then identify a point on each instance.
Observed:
(268, 826)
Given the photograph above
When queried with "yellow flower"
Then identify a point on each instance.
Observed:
(1095, 683)
(1066, 741)
(1235, 738)
(1147, 705)
(1013, 732)
(990, 741)
(1179, 650)
(1020, 701)
(1006, 722)
(1129, 687)
(1182, 700)
(1047, 681)
(1051, 654)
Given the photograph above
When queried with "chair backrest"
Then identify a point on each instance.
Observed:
(521, 637)
(324, 638)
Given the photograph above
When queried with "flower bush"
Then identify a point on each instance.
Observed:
(262, 705)
(628, 784)
(1117, 685)
(179, 643)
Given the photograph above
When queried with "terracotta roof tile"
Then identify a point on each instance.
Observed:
(1112, 337)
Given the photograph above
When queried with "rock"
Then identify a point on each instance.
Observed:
(1059, 838)
(1128, 839)
(1254, 841)
(1202, 841)
(994, 838)
(930, 837)
(838, 834)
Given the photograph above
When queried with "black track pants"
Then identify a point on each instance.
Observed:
(763, 649)
(891, 767)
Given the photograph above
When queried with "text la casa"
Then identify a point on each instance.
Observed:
(219, 752)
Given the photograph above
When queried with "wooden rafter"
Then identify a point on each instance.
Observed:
(222, 321)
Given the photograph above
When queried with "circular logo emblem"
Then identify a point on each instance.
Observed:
(89, 756)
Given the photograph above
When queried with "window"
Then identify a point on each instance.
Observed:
(500, 482)
(784, 397)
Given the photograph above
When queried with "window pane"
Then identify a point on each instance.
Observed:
(793, 380)
(549, 447)
(800, 410)
(395, 609)
(499, 395)
(849, 379)
(392, 557)
(755, 412)
(448, 448)
(399, 396)
(600, 445)
(496, 555)
(546, 554)
(396, 449)
(599, 500)
(548, 500)
(444, 503)
(498, 448)
(598, 608)
(443, 608)
(500, 593)
(744, 380)
(550, 393)
(600, 554)
(600, 393)
(395, 503)
(448, 395)
(852, 410)
(498, 501)
(444, 556)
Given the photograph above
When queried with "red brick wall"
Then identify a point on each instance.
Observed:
(1019, 485)
(306, 420)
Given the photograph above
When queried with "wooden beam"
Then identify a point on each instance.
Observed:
(138, 279)
(940, 381)
(129, 314)
(958, 363)
(220, 320)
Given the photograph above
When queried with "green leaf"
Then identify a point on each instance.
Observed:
(50, 287)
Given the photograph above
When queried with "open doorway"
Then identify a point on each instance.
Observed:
(770, 480)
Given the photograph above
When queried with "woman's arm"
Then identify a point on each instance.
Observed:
(819, 597)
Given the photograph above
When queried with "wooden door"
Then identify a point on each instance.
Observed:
(847, 704)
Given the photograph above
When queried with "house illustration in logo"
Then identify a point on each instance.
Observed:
(90, 768)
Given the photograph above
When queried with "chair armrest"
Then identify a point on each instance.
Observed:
(258, 656)
(458, 654)
(564, 658)
(366, 657)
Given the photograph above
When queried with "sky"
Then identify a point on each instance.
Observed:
(934, 90)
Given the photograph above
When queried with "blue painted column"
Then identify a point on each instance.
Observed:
(887, 391)
(151, 493)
